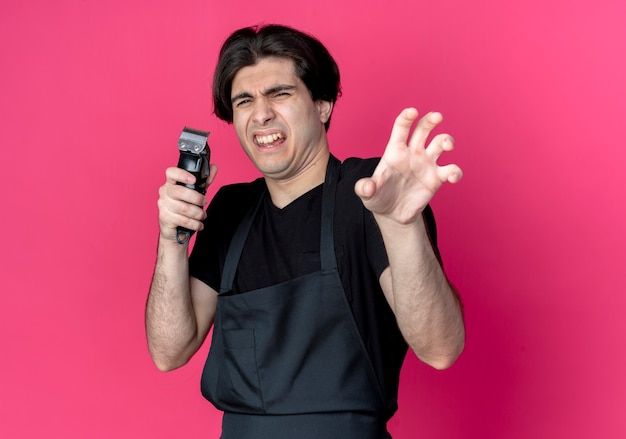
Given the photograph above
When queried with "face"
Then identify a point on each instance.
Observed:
(278, 124)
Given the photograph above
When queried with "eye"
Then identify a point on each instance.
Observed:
(282, 94)
(242, 102)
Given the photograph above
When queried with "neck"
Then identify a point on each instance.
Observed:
(283, 192)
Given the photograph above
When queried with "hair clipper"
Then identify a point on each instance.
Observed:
(194, 158)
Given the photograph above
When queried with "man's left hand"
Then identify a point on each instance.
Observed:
(407, 177)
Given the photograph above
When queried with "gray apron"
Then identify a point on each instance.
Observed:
(287, 361)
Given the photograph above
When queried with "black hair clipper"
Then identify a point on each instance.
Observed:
(194, 157)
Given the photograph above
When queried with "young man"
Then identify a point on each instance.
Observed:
(317, 276)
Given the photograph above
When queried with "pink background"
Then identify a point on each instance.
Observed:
(93, 98)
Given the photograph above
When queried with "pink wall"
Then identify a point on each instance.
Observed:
(93, 96)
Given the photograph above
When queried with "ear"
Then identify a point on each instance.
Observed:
(325, 109)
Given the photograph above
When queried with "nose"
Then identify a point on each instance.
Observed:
(263, 112)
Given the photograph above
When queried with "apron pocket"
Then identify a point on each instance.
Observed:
(238, 383)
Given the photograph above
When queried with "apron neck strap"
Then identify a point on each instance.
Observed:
(328, 260)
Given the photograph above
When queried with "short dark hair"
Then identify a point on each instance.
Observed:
(246, 47)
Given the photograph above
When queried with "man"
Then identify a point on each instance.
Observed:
(317, 276)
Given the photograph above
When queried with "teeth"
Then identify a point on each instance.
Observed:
(269, 138)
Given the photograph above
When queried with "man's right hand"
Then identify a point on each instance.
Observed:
(180, 205)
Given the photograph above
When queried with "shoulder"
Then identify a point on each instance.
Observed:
(354, 168)
(224, 213)
(236, 197)
(230, 203)
(249, 189)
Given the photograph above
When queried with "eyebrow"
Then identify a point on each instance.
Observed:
(269, 91)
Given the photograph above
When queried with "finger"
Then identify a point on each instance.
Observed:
(175, 213)
(177, 192)
(176, 206)
(424, 126)
(212, 173)
(173, 221)
(188, 210)
(439, 144)
(402, 126)
(450, 173)
(365, 188)
(175, 175)
(188, 195)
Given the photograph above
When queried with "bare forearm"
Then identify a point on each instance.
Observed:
(171, 325)
(427, 308)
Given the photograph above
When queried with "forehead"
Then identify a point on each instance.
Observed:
(266, 73)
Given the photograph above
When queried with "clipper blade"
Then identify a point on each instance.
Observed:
(193, 141)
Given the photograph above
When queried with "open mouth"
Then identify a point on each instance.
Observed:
(269, 140)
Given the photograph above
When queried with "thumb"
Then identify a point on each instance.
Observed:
(365, 188)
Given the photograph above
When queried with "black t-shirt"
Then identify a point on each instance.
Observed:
(284, 244)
